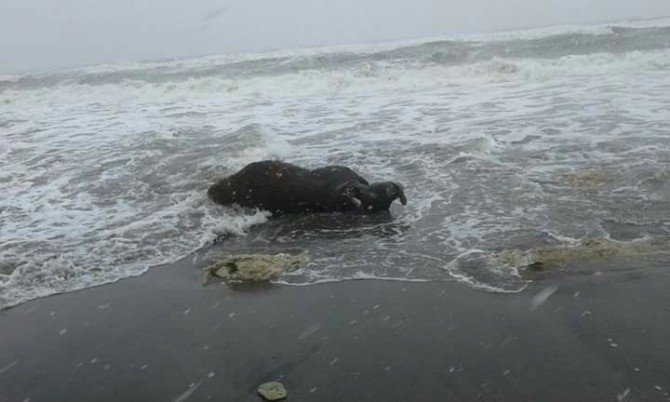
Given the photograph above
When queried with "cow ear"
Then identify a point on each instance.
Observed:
(351, 193)
(395, 190)
(401, 195)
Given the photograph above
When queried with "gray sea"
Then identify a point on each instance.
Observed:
(506, 144)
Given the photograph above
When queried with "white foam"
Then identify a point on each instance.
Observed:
(81, 211)
(79, 267)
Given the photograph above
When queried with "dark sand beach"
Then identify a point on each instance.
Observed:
(164, 337)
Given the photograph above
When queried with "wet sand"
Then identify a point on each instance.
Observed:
(165, 337)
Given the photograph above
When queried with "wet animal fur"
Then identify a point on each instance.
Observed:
(285, 188)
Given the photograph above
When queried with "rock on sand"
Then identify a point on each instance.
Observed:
(272, 391)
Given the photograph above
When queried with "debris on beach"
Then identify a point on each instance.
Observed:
(272, 391)
(253, 267)
(542, 258)
(542, 296)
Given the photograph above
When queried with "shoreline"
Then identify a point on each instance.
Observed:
(163, 336)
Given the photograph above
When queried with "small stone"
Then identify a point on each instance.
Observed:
(272, 391)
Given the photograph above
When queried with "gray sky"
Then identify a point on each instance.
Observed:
(46, 34)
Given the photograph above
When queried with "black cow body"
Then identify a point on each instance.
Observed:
(285, 188)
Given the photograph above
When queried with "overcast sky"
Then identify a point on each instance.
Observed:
(47, 34)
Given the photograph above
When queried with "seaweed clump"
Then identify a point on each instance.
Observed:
(542, 258)
(254, 267)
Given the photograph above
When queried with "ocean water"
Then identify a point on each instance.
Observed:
(510, 141)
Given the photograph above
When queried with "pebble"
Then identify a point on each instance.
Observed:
(272, 391)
